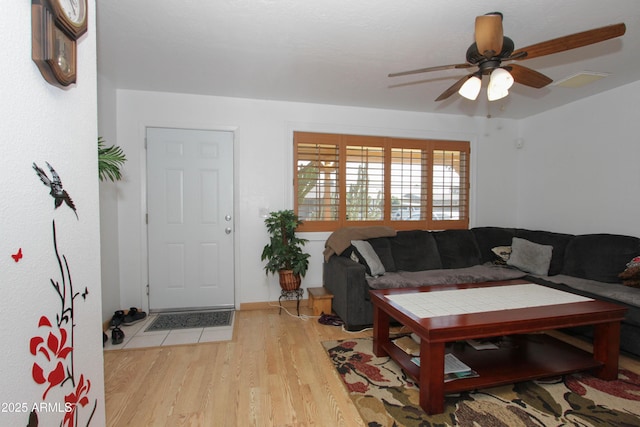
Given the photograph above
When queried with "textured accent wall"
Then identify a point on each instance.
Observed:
(50, 322)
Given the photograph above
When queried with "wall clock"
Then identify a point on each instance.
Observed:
(55, 27)
(71, 16)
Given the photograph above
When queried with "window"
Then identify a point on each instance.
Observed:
(343, 180)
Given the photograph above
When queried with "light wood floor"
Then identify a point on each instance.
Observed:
(274, 373)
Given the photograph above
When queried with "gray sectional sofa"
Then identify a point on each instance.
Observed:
(588, 265)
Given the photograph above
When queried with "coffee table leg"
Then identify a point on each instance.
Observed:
(380, 331)
(432, 377)
(606, 349)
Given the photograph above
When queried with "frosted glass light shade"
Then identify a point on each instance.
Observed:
(501, 78)
(495, 94)
(499, 83)
(471, 88)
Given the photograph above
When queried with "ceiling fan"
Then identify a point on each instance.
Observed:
(492, 48)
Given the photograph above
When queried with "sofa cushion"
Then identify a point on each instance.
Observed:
(488, 238)
(415, 250)
(447, 276)
(458, 248)
(365, 255)
(530, 257)
(609, 291)
(559, 242)
(600, 257)
(382, 246)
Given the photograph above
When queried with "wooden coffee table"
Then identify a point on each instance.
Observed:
(529, 356)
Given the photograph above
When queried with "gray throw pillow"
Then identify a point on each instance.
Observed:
(368, 257)
(530, 257)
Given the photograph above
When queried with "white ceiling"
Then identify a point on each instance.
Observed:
(340, 51)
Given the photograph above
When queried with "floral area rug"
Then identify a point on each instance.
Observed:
(385, 396)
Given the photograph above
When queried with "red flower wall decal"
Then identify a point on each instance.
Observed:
(54, 378)
(53, 349)
(72, 400)
(55, 346)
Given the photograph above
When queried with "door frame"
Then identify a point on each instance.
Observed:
(144, 249)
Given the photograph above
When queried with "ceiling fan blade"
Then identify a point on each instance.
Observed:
(426, 70)
(528, 77)
(454, 88)
(572, 41)
(489, 34)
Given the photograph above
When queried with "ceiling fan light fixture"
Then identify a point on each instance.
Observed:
(495, 93)
(501, 78)
(499, 84)
(471, 88)
(491, 48)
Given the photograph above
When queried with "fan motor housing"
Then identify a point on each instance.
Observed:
(475, 57)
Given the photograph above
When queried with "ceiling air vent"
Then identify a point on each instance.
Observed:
(580, 79)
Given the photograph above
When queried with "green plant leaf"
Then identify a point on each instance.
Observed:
(110, 160)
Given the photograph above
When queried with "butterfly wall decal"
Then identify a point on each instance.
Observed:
(17, 256)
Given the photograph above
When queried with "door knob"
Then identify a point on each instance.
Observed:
(227, 230)
(227, 217)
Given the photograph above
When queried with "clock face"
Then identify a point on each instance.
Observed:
(71, 16)
(74, 9)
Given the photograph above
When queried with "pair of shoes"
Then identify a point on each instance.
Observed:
(330, 319)
(133, 316)
(117, 319)
(117, 336)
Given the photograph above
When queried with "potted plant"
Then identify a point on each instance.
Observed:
(284, 253)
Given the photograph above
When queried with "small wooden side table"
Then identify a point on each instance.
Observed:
(320, 300)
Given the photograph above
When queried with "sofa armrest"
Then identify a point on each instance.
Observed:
(345, 279)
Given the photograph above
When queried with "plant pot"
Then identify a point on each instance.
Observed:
(288, 280)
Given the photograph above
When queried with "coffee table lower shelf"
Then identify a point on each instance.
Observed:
(521, 358)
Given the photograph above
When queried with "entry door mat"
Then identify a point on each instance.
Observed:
(385, 396)
(191, 320)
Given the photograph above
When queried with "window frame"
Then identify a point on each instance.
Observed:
(430, 146)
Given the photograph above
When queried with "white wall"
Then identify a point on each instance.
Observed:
(576, 171)
(264, 165)
(579, 168)
(109, 261)
(41, 123)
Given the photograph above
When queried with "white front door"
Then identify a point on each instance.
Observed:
(190, 218)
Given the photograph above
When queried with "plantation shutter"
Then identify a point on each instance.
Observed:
(409, 183)
(450, 185)
(364, 179)
(316, 182)
(343, 180)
